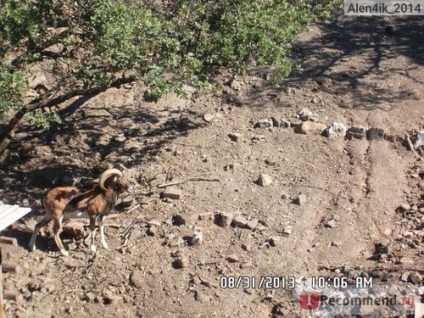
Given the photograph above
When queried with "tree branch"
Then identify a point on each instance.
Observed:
(48, 100)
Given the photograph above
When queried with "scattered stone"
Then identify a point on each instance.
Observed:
(300, 199)
(208, 117)
(375, 134)
(334, 243)
(280, 310)
(136, 278)
(418, 139)
(284, 195)
(331, 224)
(197, 237)
(373, 311)
(252, 224)
(335, 129)
(121, 138)
(235, 85)
(408, 234)
(154, 222)
(225, 218)
(240, 221)
(405, 207)
(287, 230)
(310, 128)
(246, 247)
(37, 80)
(234, 136)
(405, 276)
(275, 241)
(264, 180)
(233, 258)
(152, 231)
(307, 115)
(275, 122)
(358, 132)
(90, 296)
(284, 123)
(295, 122)
(263, 123)
(171, 193)
(181, 219)
(181, 262)
(173, 241)
(407, 261)
(110, 298)
(270, 162)
(71, 263)
(416, 278)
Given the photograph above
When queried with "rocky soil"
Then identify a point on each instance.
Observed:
(262, 188)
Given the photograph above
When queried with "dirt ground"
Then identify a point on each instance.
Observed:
(361, 209)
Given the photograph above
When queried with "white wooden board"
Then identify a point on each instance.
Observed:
(10, 214)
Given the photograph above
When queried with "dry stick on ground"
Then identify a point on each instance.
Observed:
(125, 236)
(198, 178)
(132, 209)
(411, 146)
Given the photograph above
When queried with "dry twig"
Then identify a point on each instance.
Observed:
(198, 178)
(411, 146)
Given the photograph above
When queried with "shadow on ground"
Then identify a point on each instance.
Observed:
(74, 151)
(375, 39)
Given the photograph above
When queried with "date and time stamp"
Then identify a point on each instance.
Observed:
(383, 7)
(290, 283)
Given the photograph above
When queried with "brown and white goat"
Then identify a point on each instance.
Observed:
(93, 203)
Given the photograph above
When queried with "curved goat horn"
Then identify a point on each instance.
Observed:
(106, 175)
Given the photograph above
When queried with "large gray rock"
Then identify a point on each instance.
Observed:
(264, 123)
(375, 134)
(419, 139)
(310, 128)
(335, 129)
(358, 132)
(307, 115)
(264, 180)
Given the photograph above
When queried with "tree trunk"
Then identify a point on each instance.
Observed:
(47, 100)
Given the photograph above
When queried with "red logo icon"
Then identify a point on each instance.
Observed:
(309, 300)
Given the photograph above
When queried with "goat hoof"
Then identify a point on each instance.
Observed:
(93, 248)
(64, 253)
(105, 245)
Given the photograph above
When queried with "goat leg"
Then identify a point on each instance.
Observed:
(93, 233)
(57, 229)
(46, 219)
(102, 232)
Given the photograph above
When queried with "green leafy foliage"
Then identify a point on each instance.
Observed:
(43, 120)
(12, 89)
(162, 43)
